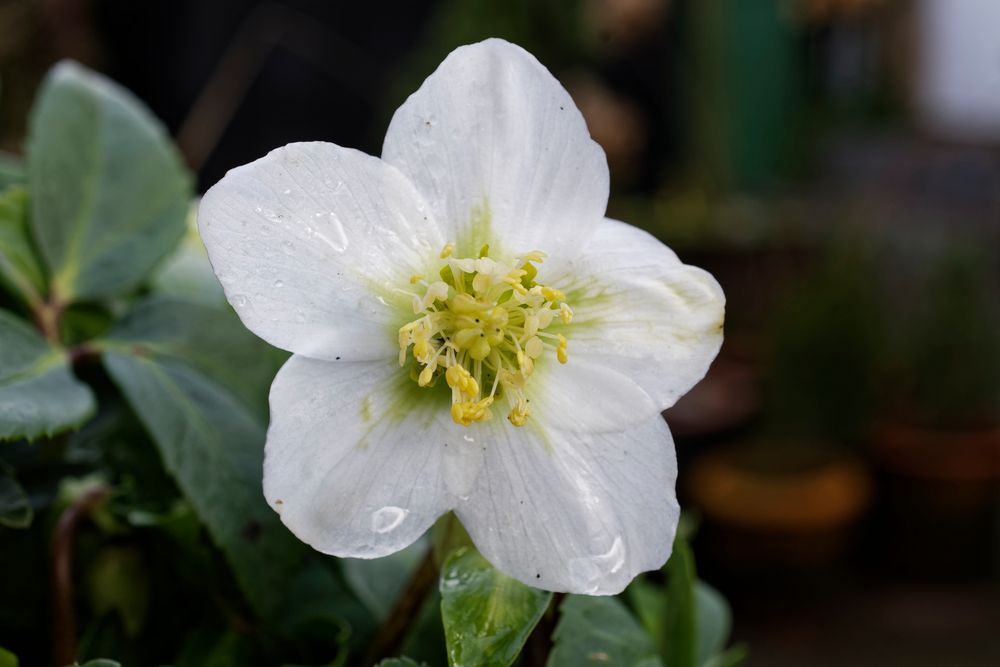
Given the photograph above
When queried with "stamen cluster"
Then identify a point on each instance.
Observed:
(482, 325)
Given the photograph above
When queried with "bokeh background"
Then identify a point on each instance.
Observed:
(835, 163)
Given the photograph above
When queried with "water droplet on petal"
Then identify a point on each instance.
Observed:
(388, 518)
(592, 571)
(279, 284)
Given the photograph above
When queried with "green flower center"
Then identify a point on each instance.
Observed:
(482, 325)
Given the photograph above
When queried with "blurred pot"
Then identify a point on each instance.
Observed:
(771, 508)
(941, 488)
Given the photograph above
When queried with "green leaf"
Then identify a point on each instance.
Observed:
(678, 640)
(211, 340)
(732, 658)
(401, 662)
(119, 582)
(109, 192)
(213, 446)
(600, 631)
(38, 393)
(7, 659)
(15, 509)
(714, 621)
(19, 267)
(187, 274)
(379, 582)
(487, 615)
(99, 662)
(713, 616)
(11, 170)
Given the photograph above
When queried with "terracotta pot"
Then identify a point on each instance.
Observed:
(772, 518)
(940, 498)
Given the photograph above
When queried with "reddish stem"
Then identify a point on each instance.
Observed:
(63, 543)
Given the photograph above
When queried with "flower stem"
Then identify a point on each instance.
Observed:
(63, 543)
(389, 637)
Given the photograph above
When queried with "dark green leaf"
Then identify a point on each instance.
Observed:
(213, 446)
(19, 267)
(378, 582)
(679, 638)
(210, 340)
(118, 582)
(487, 615)
(646, 599)
(600, 631)
(734, 657)
(15, 510)
(109, 192)
(38, 393)
(401, 662)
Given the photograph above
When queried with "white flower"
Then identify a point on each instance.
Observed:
(429, 298)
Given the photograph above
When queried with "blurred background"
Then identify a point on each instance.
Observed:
(836, 165)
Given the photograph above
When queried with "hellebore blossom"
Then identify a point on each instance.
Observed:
(470, 333)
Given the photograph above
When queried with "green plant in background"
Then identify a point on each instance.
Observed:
(824, 346)
(948, 360)
(133, 403)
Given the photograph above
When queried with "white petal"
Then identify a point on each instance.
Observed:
(354, 465)
(575, 512)
(309, 243)
(586, 395)
(640, 311)
(492, 130)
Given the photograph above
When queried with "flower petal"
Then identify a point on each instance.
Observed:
(584, 394)
(355, 466)
(309, 243)
(575, 512)
(640, 311)
(495, 144)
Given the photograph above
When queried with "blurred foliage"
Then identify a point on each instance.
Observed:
(133, 404)
(825, 339)
(948, 366)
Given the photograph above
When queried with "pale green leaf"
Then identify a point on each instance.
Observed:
(600, 631)
(109, 192)
(19, 267)
(487, 615)
(213, 446)
(38, 393)
(99, 662)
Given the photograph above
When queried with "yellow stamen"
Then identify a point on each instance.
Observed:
(482, 326)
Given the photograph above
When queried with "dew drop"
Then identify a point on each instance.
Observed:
(279, 284)
(388, 518)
